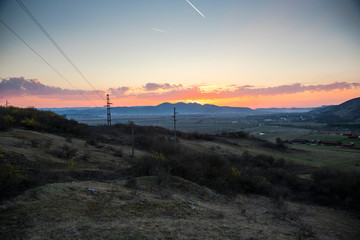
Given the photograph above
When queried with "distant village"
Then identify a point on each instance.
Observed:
(350, 135)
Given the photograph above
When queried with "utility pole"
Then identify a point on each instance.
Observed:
(175, 128)
(132, 140)
(108, 110)
(7, 103)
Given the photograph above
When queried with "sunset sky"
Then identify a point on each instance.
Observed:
(258, 53)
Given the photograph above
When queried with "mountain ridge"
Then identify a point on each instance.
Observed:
(167, 108)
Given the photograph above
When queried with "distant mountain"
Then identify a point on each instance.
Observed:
(348, 111)
(168, 109)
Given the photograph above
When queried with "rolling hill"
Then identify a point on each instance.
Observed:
(65, 180)
(348, 111)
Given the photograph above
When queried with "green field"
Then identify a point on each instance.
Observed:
(312, 155)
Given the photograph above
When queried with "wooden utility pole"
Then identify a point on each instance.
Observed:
(132, 139)
(175, 128)
(108, 110)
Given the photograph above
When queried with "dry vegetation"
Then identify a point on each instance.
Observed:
(179, 210)
(83, 184)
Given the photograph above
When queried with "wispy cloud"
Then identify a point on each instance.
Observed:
(195, 8)
(159, 30)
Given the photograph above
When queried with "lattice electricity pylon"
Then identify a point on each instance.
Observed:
(108, 114)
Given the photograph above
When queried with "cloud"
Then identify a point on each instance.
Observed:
(293, 88)
(19, 86)
(167, 92)
(157, 86)
(118, 92)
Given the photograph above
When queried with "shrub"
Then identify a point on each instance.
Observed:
(34, 143)
(85, 157)
(238, 134)
(65, 152)
(92, 142)
(68, 139)
(339, 188)
(131, 183)
(32, 118)
(118, 153)
(11, 181)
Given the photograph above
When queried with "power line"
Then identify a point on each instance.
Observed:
(62, 76)
(57, 46)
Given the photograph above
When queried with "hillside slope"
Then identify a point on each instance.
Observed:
(177, 210)
(83, 183)
(348, 111)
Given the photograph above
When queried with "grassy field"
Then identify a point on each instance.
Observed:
(216, 125)
(315, 156)
(186, 123)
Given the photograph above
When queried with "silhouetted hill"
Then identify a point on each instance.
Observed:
(168, 109)
(348, 111)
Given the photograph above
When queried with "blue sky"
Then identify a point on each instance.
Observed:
(262, 43)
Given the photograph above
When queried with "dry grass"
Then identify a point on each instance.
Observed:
(70, 211)
(97, 158)
(177, 209)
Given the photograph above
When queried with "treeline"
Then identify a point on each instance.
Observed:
(33, 119)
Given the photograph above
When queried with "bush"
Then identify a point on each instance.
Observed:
(118, 153)
(11, 181)
(336, 188)
(238, 134)
(65, 152)
(92, 142)
(34, 119)
(159, 144)
(228, 175)
(131, 183)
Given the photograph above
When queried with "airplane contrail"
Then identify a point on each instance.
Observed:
(159, 30)
(195, 8)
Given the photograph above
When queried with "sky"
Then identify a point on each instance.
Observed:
(259, 53)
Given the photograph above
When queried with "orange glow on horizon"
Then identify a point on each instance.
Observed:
(303, 99)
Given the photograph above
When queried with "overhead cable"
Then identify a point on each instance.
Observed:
(57, 46)
(62, 76)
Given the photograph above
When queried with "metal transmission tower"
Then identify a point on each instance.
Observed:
(174, 128)
(108, 110)
(7, 103)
